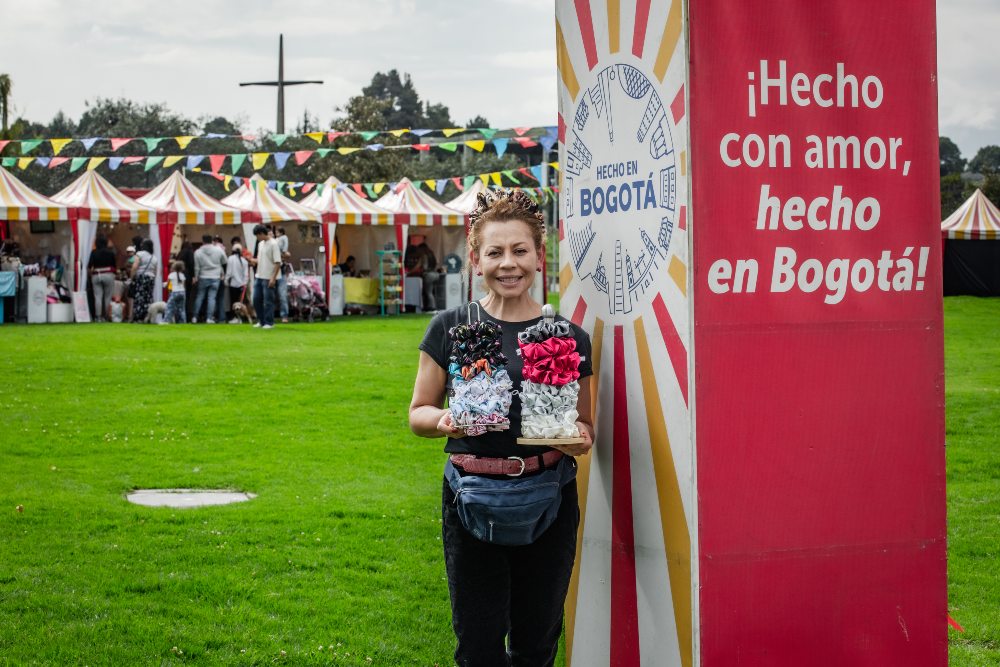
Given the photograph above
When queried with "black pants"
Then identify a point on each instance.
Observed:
(498, 590)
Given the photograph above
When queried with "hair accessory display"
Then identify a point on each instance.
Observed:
(480, 386)
(550, 386)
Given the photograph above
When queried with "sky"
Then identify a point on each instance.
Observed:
(478, 57)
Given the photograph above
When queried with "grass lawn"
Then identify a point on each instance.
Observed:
(972, 388)
(341, 549)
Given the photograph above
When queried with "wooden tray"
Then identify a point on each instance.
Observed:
(547, 442)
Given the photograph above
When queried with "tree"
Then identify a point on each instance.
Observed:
(952, 193)
(952, 161)
(5, 87)
(987, 160)
(478, 121)
(404, 108)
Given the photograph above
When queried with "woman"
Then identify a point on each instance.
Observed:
(497, 590)
(143, 277)
(103, 264)
(237, 276)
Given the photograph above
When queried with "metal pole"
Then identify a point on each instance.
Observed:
(281, 84)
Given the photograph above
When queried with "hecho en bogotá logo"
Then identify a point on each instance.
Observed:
(620, 187)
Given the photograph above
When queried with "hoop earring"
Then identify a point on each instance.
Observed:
(479, 273)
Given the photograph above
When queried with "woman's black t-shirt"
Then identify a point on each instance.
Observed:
(438, 346)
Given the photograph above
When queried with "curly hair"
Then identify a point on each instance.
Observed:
(501, 206)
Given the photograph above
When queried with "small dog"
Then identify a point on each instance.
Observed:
(156, 312)
(245, 312)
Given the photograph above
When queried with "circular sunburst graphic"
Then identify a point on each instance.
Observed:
(619, 212)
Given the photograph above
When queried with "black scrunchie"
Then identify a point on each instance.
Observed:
(474, 341)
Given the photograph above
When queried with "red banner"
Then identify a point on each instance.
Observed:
(818, 333)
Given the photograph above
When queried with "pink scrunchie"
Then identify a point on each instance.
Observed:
(553, 361)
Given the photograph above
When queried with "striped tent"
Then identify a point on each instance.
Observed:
(269, 204)
(466, 201)
(179, 201)
(340, 204)
(19, 202)
(976, 219)
(96, 200)
(413, 207)
(971, 248)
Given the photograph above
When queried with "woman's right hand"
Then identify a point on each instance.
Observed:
(446, 426)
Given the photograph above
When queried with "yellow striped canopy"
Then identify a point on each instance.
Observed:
(466, 201)
(977, 218)
(413, 207)
(181, 202)
(97, 200)
(269, 204)
(19, 202)
(340, 204)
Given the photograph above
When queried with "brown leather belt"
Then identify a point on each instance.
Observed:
(513, 466)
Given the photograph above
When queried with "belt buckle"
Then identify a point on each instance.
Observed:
(518, 473)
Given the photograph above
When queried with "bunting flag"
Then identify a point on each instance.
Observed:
(374, 189)
(151, 143)
(57, 145)
(499, 144)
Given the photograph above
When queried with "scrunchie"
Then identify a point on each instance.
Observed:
(553, 361)
(544, 330)
(480, 394)
(549, 412)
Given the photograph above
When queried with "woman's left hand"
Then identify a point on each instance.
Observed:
(582, 448)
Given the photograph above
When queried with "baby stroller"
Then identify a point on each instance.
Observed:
(306, 301)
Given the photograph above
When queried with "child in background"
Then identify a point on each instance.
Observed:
(175, 305)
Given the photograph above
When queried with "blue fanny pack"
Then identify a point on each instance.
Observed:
(511, 512)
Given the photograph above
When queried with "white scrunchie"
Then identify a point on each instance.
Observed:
(548, 411)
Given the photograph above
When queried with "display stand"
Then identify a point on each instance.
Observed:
(548, 317)
(390, 292)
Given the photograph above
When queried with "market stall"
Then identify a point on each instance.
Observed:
(444, 230)
(971, 246)
(41, 229)
(96, 202)
(302, 225)
(359, 228)
(180, 202)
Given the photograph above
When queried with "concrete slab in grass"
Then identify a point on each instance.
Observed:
(187, 497)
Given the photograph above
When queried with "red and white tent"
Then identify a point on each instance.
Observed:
(466, 201)
(19, 202)
(444, 228)
(976, 219)
(268, 205)
(179, 201)
(96, 200)
(971, 248)
(413, 207)
(341, 205)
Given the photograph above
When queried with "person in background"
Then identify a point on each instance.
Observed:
(237, 277)
(143, 277)
(268, 263)
(130, 290)
(420, 262)
(209, 265)
(176, 304)
(286, 268)
(349, 268)
(220, 295)
(186, 255)
(102, 277)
